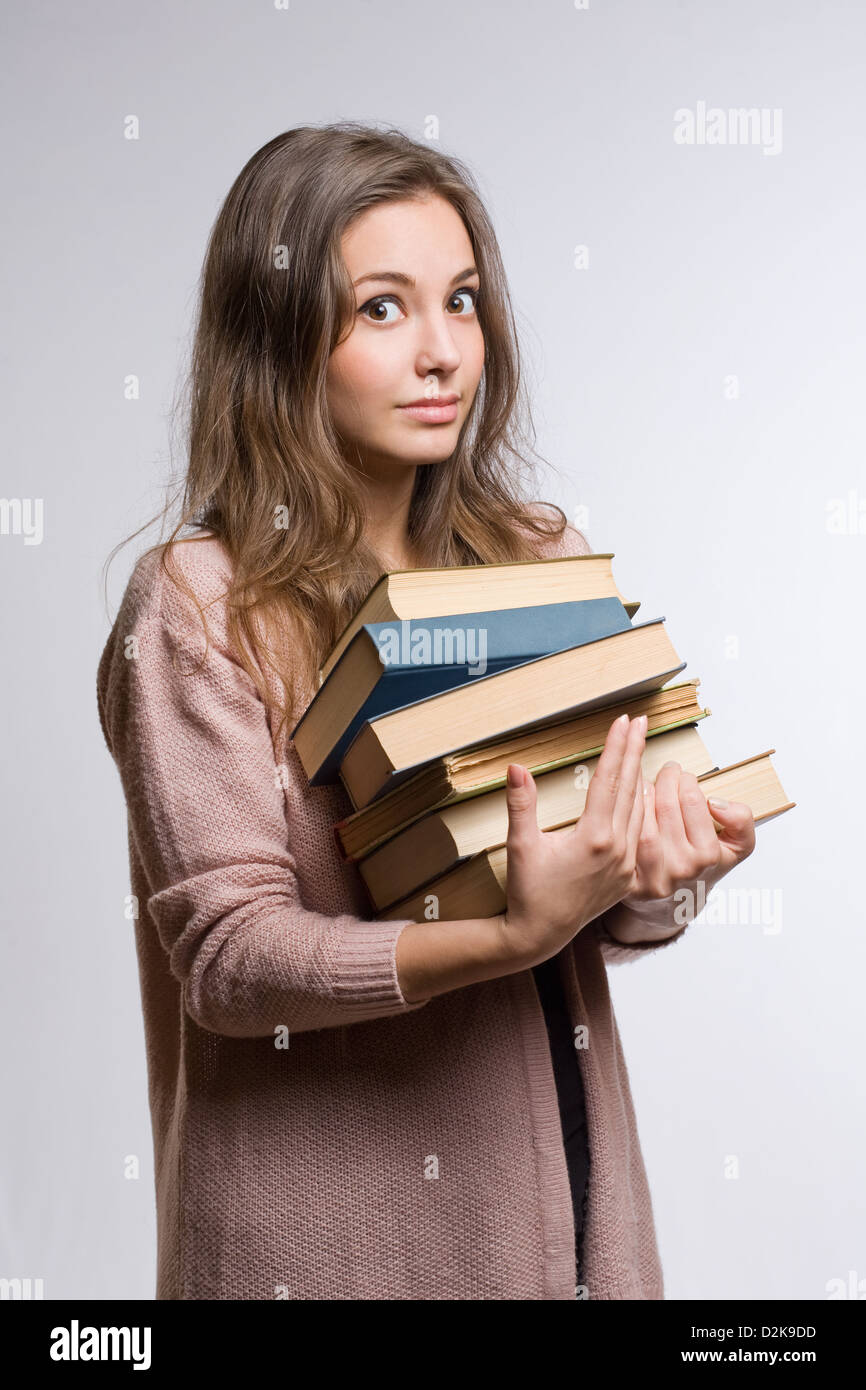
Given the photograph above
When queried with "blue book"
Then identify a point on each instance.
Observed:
(391, 664)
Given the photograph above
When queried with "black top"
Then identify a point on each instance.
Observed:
(569, 1088)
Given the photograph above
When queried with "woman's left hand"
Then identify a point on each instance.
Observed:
(679, 845)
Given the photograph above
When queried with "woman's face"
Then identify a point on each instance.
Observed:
(415, 336)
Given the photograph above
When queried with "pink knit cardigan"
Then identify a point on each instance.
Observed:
(315, 1135)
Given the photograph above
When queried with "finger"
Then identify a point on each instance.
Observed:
(650, 853)
(603, 784)
(521, 799)
(649, 832)
(669, 816)
(630, 774)
(698, 822)
(632, 834)
(635, 820)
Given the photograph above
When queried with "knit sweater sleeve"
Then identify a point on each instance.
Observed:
(207, 814)
(619, 952)
(661, 912)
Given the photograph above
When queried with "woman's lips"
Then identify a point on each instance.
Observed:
(431, 413)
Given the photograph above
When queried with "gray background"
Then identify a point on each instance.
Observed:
(705, 262)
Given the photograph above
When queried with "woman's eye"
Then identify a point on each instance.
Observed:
(383, 302)
(472, 296)
(375, 310)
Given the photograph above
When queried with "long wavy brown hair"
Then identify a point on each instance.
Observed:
(264, 471)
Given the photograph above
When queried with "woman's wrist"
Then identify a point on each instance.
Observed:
(434, 957)
(527, 946)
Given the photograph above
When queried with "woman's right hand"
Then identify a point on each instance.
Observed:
(558, 880)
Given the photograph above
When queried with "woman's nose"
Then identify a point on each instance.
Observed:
(437, 348)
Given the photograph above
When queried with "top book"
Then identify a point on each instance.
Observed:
(452, 589)
(392, 664)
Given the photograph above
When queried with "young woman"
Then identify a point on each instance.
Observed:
(347, 1108)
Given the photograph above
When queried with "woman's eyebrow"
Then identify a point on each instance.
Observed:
(400, 279)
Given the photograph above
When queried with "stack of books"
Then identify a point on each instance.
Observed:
(445, 676)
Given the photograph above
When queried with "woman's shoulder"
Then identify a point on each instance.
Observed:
(173, 580)
(167, 609)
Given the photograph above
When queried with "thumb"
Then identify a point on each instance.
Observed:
(736, 822)
(521, 798)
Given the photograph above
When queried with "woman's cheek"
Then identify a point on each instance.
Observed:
(477, 357)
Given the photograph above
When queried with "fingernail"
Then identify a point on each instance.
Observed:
(671, 762)
(623, 719)
(646, 787)
(643, 723)
(515, 775)
(718, 802)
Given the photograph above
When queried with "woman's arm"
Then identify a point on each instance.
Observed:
(207, 815)
(434, 957)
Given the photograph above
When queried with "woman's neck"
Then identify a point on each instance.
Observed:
(387, 498)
